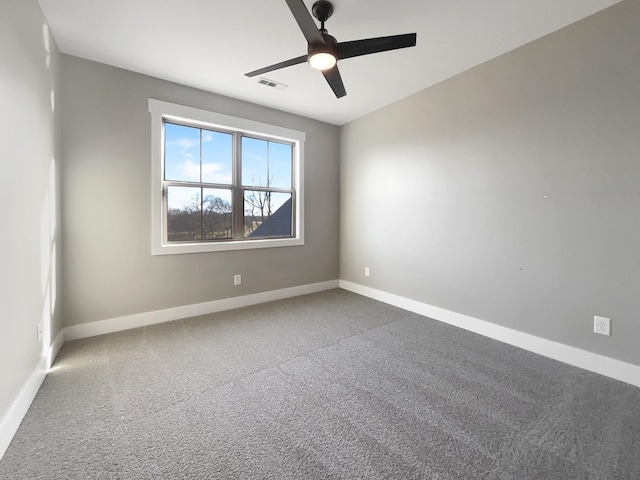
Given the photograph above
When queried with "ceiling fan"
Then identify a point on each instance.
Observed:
(324, 50)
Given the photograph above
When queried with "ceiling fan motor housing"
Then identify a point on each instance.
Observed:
(322, 10)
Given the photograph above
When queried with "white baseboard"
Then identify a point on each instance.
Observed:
(625, 372)
(12, 420)
(21, 404)
(17, 411)
(111, 325)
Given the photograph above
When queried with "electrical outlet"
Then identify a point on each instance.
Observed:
(366, 271)
(39, 332)
(602, 325)
(237, 279)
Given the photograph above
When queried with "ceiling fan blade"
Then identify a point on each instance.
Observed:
(335, 81)
(357, 48)
(277, 66)
(305, 22)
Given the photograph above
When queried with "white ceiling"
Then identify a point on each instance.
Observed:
(211, 44)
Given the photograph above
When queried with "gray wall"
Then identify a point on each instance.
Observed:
(511, 192)
(109, 270)
(29, 194)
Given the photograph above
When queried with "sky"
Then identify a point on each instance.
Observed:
(193, 155)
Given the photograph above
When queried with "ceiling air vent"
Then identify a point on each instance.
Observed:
(271, 83)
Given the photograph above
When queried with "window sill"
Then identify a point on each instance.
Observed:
(184, 248)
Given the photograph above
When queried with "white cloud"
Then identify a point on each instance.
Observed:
(211, 172)
(211, 168)
(190, 170)
(184, 142)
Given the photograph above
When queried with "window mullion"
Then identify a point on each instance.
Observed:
(201, 194)
(201, 213)
(238, 197)
(165, 209)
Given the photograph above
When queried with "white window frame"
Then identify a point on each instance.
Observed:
(160, 111)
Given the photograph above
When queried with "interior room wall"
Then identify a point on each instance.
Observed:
(510, 192)
(109, 269)
(29, 198)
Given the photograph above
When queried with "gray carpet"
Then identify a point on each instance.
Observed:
(330, 385)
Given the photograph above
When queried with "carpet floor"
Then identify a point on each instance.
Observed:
(329, 385)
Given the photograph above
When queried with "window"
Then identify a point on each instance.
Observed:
(223, 183)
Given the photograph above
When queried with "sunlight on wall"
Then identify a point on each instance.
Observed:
(53, 279)
(45, 244)
(52, 230)
(46, 324)
(47, 44)
(48, 226)
(48, 250)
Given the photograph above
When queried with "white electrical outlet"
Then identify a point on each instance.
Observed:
(602, 325)
(39, 332)
(237, 279)
(366, 271)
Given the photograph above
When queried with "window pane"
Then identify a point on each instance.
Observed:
(216, 213)
(267, 214)
(183, 214)
(181, 153)
(280, 160)
(217, 150)
(281, 213)
(256, 209)
(254, 162)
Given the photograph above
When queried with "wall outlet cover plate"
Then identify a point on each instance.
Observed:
(602, 325)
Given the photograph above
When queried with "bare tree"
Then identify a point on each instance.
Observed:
(210, 219)
(257, 206)
(216, 217)
(185, 223)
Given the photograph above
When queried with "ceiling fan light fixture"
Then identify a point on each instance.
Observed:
(322, 60)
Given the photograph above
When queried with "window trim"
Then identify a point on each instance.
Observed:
(161, 110)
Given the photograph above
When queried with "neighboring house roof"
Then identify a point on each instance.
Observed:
(280, 223)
